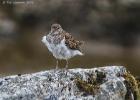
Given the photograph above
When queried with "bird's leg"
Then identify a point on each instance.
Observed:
(56, 64)
(66, 64)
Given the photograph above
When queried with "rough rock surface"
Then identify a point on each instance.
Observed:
(71, 84)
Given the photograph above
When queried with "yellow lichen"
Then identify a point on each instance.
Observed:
(134, 84)
(138, 82)
(87, 87)
(92, 85)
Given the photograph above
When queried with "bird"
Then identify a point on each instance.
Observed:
(62, 44)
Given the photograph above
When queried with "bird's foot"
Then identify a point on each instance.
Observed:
(65, 71)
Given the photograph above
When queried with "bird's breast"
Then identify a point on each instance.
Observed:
(59, 49)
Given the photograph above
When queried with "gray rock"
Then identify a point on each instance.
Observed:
(104, 83)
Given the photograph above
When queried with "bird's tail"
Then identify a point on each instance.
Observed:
(79, 53)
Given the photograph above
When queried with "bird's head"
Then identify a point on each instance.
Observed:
(56, 27)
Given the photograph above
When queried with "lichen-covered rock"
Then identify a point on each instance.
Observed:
(104, 83)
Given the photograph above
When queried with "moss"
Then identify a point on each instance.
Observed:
(92, 85)
(132, 86)
(138, 81)
(100, 76)
(86, 87)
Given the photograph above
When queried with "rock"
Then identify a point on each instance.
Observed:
(104, 83)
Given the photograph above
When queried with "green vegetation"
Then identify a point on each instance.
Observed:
(132, 86)
(92, 85)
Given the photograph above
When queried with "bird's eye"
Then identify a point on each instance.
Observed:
(55, 27)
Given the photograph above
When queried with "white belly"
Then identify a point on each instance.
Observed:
(61, 51)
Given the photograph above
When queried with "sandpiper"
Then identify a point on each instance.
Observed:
(61, 44)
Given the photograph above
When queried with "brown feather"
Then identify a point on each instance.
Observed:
(71, 42)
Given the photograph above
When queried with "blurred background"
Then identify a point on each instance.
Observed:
(110, 29)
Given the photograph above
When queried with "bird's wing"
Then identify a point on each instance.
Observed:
(71, 42)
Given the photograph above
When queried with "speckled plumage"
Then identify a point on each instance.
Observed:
(61, 44)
